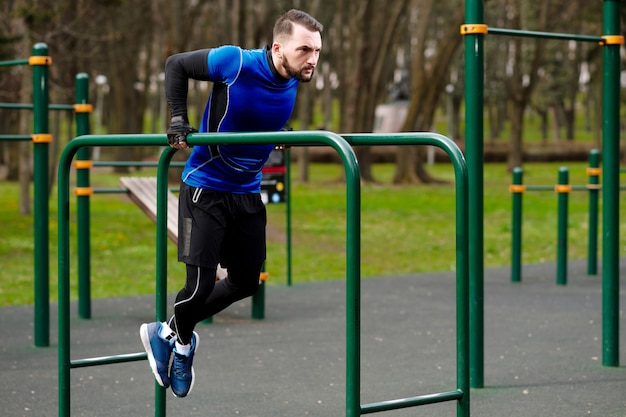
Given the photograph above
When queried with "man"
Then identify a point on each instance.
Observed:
(221, 216)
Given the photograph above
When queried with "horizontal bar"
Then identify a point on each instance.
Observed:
(133, 164)
(29, 106)
(16, 137)
(14, 62)
(105, 360)
(540, 188)
(110, 190)
(411, 402)
(550, 35)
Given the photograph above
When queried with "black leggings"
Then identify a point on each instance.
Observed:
(202, 296)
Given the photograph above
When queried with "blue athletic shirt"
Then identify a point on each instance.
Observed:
(248, 95)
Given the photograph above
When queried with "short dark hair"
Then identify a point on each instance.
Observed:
(284, 24)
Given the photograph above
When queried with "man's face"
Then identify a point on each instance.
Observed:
(300, 54)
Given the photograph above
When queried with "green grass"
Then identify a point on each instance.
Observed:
(405, 229)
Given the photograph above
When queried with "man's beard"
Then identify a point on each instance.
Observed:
(298, 75)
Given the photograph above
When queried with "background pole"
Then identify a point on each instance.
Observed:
(41, 139)
(474, 132)
(610, 183)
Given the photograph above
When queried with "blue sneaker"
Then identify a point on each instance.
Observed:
(159, 351)
(181, 372)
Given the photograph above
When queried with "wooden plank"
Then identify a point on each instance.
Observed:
(143, 192)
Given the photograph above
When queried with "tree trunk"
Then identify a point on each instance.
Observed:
(428, 80)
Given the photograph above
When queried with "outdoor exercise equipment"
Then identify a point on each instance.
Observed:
(474, 31)
(563, 189)
(41, 138)
(353, 305)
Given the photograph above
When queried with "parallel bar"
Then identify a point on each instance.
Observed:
(463, 277)
(353, 238)
(548, 35)
(411, 402)
(106, 360)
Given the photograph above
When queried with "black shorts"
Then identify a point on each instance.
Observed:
(216, 227)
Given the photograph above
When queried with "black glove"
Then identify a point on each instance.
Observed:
(179, 129)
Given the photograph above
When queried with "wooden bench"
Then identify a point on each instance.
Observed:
(143, 192)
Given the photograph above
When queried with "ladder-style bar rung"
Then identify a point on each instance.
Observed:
(105, 360)
(411, 402)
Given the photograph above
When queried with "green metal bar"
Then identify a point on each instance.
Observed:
(610, 185)
(110, 190)
(41, 211)
(27, 106)
(14, 62)
(412, 402)
(474, 151)
(16, 137)
(549, 35)
(107, 360)
(540, 188)
(258, 300)
(288, 216)
(516, 229)
(594, 194)
(133, 164)
(300, 138)
(161, 259)
(562, 205)
(83, 203)
(462, 248)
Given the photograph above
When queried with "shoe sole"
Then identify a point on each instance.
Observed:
(193, 373)
(145, 340)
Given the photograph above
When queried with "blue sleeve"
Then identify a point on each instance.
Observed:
(224, 63)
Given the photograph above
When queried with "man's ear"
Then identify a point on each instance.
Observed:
(277, 49)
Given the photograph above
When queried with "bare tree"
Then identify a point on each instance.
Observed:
(430, 59)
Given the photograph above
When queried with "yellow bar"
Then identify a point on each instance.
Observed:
(40, 60)
(83, 164)
(562, 188)
(517, 188)
(594, 171)
(41, 138)
(83, 191)
(83, 108)
(264, 276)
(473, 29)
(612, 40)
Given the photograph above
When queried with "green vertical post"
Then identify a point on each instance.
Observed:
(563, 189)
(474, 134)
(258, 301)
(517, 191)
(593, 173)
(40, 190)
(63, 247)
(288, 208)
(83, 199)
(610, 181)
(161, 260)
